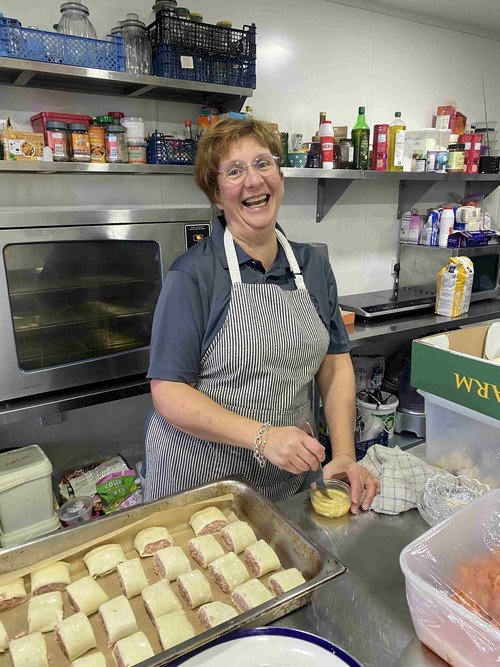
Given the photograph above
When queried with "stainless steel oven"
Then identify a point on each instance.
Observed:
(78, 291)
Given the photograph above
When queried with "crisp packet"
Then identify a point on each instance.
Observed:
(117, 490)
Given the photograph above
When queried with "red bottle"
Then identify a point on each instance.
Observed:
(327, 138)
(380, 148)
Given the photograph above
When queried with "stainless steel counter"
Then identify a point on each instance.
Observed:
(364, 611)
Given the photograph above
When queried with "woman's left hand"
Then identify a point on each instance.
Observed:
(361, 481)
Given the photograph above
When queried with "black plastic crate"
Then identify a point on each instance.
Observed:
(170, 151)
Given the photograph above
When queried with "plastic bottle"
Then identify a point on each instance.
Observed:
(327, 139)
(396, 143)
(360, 135)
(446, 222)
(322, 118)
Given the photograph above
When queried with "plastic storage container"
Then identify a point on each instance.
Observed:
(39, 120)
(76, 510)
(461, 440)
(26, 500)
(431, 565)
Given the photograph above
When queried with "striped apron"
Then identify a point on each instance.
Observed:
(259, 365)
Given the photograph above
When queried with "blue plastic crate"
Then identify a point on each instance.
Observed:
(170, 151)
(169, 61)
(53, 47)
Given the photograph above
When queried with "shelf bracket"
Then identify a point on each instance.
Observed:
(411, 192)
(141, 91)
(329, 191)
(486, 187)
(24, 78)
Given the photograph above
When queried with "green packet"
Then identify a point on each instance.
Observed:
(117, 486)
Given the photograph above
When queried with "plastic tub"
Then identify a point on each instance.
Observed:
(39, 120)
(431, 565)
(76, 510)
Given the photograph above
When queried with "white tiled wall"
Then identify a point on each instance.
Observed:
(312, 56)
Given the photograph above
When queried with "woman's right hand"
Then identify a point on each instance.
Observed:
(291, 449)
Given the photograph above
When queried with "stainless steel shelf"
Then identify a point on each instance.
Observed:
(33, 74)
(91, 168)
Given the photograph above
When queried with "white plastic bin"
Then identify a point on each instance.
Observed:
(461, 440)
(430, 566)
(26, 499)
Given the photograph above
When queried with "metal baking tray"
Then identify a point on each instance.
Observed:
(293, 546)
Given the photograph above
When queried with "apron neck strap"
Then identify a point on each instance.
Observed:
(234, 267)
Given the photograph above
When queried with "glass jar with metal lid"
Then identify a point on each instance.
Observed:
(456, 159)
(197, 35)
(159, 5)
(56, 133)
(116, 144)
(78, 142)
(75, 20)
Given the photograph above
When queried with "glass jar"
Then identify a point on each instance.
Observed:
(221, 38)
(346, 154)
(136, 45)
(196, 35)
(78, 142)
(116, 144)
(159, 5)
(75, 20)
(136, 149)
(56, 134)
(456, 159)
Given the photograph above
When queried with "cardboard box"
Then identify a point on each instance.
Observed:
(347, 316)
(22, 146)
(453, 366)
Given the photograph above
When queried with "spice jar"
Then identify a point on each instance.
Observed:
(456, 159)
(116, 144)
(97, 143)
(56, 133)
(346, 154)
(78, 142)
(136, 149)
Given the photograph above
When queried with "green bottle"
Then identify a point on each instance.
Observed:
(360, 136)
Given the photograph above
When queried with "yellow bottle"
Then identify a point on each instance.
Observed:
(396, 143)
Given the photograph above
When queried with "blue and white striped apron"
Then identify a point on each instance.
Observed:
(259, 365)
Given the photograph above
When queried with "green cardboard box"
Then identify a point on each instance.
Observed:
(459, 366)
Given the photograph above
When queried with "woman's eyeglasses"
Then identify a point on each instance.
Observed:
(236, 172)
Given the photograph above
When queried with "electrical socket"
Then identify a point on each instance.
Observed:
(394, 261)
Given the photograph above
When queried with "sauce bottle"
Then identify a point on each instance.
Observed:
(360, 136)
(396, 143)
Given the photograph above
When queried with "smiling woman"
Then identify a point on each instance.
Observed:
(245, 322)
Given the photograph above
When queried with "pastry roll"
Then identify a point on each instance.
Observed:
(4, 638)
(12, 593)
(205, 549)
(169, 563)
(284, 581)
(118, 619)
(104, 559)
(238, 536)
(250, 595)
(173, 629)
(29, 651)
(86, 595)
(94, 660)
(261, 558)
(45, 612)
(132, 650)
(194, 588)
(215, 613)
(160, 599)
(150, 540)
(228, 572)
(75, 635)
(131, 577)
(208, 520)
(54, 577)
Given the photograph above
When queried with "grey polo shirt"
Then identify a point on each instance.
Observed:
(195, 297)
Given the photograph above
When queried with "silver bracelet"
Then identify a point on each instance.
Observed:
(261, 459)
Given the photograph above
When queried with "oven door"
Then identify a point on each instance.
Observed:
(77, 302)
(486, 260)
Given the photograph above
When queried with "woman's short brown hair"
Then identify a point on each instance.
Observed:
(218, 140)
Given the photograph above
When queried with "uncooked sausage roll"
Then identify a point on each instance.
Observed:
(75, 635)
(169, 563)
(250, 595)
(29, 651)
(238, 536)
(215, 613)
(208, 520)
(12, 593)
(54, 577)
(261, 558)
(4, 638)
(86, 595)
(228, 572)
(104, 559)
(194, 588)
(118, 619)
(150, 540)
(131, 577)
(45, 612)
(281, 582)
(132, 650)
(93, 660)
(160, 599)
(173, 629)
(205, 549)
